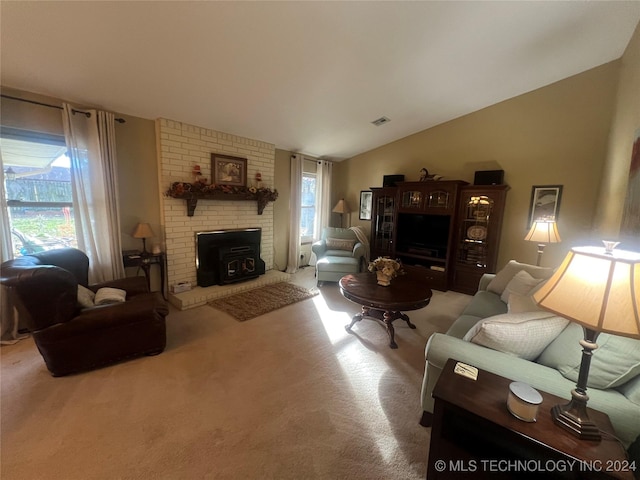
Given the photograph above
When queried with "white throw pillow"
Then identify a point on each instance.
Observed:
(340, 244)
(504, 276)
(524, 335)
(108, 295)
(522, 303)
(522, 283)
(85, 297)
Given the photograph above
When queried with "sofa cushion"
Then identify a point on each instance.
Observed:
(524, 335)
(615, 362)
(340, 244)
(462, 325)
(522, 303)
(504, 276)
(485, 304)
(522, 283)
(631, 390)
(338, 264)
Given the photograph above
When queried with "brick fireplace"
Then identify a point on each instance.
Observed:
(180, 147)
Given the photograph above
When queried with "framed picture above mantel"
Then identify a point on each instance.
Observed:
(228, 170)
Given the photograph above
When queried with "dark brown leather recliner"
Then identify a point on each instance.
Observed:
(72, 339)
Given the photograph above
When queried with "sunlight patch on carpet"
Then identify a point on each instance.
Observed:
(253, 303)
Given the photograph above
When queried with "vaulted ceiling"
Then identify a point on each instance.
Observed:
(306, 76)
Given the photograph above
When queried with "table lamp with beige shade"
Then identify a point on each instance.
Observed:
(543, 231)
(143, 231)
(341, 208)
(598, 288)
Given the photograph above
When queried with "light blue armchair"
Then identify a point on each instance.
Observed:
(338, 253)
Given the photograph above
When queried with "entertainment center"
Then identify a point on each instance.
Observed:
(449, 227)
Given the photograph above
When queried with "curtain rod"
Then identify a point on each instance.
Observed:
(88, 114)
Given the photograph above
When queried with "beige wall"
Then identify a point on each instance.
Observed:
(138, 180)
(27, 116)
(556, 135)
(626, 122)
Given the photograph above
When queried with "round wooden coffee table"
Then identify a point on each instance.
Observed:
(406, 292)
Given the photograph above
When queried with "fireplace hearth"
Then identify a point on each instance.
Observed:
(228, 256)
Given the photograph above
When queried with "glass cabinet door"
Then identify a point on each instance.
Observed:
(438, 199)
(479, 225)
(412, 199)
(474, 230)
(383, 224)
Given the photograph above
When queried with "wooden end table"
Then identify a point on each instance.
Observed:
(144, 261)
(475, 435)
(406, 292)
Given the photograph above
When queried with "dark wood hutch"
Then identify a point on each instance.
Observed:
(449, 227)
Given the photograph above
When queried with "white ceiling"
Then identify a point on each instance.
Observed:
(306, 76)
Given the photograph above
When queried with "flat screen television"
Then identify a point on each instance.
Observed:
(423, 234)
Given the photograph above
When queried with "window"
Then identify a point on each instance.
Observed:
(308, 214)
(38, 191)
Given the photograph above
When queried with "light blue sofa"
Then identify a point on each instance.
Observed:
(622, 403)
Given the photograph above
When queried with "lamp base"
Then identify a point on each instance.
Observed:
(573, 417)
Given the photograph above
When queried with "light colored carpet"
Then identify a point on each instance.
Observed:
(247, 305)
(288, 395)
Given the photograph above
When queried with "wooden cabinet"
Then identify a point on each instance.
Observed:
(414, 222)
(434, 197)
(450, 228)
(477, 234)
(383, 221)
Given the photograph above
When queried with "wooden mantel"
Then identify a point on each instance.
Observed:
(193, 192)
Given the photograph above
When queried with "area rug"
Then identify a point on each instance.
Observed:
(253, 303)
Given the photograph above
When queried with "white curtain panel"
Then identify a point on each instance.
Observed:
(6, 247)
(91, 148)
(295, 204)
(323, 216)
(8, 314)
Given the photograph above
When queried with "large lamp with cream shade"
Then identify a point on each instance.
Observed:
(543, 231)
(598, 288)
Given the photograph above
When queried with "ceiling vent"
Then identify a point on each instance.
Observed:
(381, 121)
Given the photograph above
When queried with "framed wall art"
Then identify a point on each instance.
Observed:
(228, 170)
(366, 198)
(545, 202)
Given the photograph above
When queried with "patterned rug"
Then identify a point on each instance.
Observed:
(253, 303)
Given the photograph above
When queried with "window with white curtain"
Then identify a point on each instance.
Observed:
(308, 207)
(38, 191)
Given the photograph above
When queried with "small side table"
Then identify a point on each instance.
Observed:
(144, 261)
(474, 432)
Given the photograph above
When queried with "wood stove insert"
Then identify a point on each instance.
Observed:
(228, 256)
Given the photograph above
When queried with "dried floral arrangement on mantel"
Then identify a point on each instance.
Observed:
(192, 192)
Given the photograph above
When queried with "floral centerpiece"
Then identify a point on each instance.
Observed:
(386, 268)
